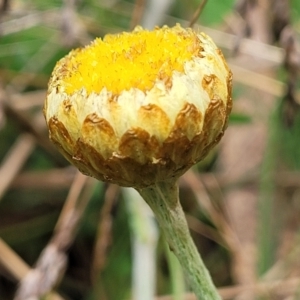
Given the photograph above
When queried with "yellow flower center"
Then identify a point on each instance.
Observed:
(130, 60)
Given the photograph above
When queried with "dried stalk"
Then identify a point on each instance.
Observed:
(16, 266)
(197, 13)
(137, 14)
(14, 160)
(25, 124)
(103, 238)
(53, 260)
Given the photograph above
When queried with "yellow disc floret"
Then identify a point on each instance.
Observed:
(130, 60)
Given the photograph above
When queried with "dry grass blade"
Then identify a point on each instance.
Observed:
(28, 100)
(257, 81)
(28, 21)
(35, 63)
(256, 49)
(104, 231)
(205, 230)
(16, 266)
(14, 160)
(53, 260)
(197, 13)
(26, 124)
(224, 229)
(54, 179)
(73, 203)
(12, 262)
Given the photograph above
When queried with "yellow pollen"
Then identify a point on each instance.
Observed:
(129, 60)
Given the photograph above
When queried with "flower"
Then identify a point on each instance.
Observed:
(140, 107)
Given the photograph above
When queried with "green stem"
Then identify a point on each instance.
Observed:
(164, 201)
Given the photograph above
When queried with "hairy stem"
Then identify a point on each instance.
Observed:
(163, 200)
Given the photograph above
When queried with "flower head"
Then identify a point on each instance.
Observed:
(141, 107)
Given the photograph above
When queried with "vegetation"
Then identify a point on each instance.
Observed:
(241, 202)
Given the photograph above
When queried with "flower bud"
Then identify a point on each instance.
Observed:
(141, 107)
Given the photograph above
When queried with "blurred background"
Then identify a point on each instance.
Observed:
(91, 240)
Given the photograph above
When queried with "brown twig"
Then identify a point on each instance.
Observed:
(14, 160)
(72, 205)
(197, 13)
(137, 13)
